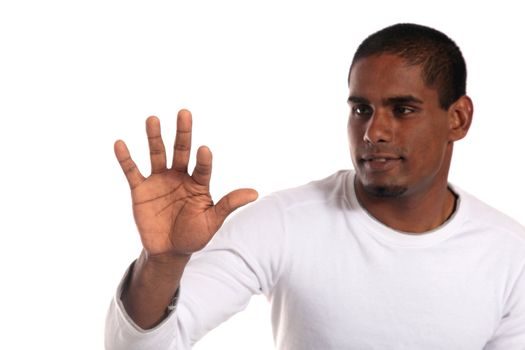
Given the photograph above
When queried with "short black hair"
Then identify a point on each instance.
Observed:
(443, 65)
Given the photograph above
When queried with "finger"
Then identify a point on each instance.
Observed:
(182, 147)
(232, 201)
(157, 151)
(202, 171)
(127, 164)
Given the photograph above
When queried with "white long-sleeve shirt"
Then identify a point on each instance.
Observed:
(339, 279)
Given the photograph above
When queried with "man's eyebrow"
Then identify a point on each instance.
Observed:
(401, 100)
(358, 99)
(388, 101)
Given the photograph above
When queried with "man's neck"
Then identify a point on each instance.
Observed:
(415, 214)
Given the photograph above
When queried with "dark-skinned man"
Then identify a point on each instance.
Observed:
(387, 256)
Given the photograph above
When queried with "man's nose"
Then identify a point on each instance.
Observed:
(379, 127)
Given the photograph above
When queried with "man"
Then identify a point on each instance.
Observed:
(389, 256)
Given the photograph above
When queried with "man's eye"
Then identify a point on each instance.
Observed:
(402, 110)
(362, 110)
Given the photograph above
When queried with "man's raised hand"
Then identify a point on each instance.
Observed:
(173, 210)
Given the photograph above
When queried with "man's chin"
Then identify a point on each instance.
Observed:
(390, 191)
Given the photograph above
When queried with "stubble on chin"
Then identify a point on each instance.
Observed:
(384, 191)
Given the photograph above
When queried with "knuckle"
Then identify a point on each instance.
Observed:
(181, 147)
(130, 168)
(224, 207)
(203, 170)
(155, 152)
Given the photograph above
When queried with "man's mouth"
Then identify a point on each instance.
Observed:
(380, 162)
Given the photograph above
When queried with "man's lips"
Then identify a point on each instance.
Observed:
(380, 161)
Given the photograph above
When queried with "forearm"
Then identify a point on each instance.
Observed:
(150, 288)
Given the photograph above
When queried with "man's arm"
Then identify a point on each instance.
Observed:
(510, 334)
(175, 217)
(150, 287)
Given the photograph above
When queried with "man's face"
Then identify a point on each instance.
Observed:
(399, 135)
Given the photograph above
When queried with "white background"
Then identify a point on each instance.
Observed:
(266, 82)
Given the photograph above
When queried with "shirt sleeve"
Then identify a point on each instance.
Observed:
(122, 333)
(244, 258)
(510, 334)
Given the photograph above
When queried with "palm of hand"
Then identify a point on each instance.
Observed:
(173, 210)
(172, 213)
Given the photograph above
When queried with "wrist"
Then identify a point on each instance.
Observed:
(168, 259)
(165, 266)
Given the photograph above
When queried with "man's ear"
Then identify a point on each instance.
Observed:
(460, 117)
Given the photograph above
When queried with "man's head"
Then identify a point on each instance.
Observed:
(408, 106)
(443, 65)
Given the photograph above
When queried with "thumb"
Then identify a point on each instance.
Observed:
(232, 201)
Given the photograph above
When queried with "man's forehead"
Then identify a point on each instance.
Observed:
(383, 65)
(386, 76)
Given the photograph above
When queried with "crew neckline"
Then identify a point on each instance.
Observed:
(405, 239)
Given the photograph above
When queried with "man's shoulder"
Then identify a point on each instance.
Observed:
(484, 216)
(322, 195)
(331, 188)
